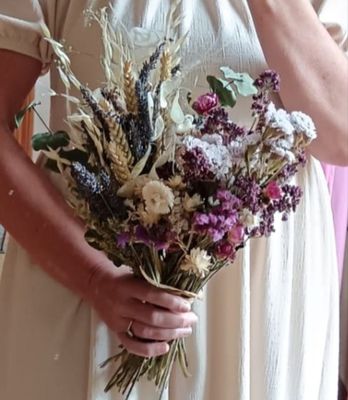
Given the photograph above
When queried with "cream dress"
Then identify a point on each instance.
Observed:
(268, 326)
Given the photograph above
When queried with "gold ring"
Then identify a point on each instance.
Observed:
(129, 331)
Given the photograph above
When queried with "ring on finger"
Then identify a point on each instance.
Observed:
(129, 331)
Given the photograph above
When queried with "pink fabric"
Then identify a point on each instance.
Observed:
(337, 178)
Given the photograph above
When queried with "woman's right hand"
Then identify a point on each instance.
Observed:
(156, 317)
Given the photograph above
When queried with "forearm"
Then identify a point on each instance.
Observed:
(312, 67)
(36, 215)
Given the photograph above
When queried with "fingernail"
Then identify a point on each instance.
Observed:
(187, 332)
(185, 306)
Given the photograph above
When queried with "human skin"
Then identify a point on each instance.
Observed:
(34, 212)
(313, 70)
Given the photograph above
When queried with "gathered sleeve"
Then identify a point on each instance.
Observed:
(21, 28)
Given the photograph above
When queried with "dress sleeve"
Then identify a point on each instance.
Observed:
(21, 28)
(333, 14)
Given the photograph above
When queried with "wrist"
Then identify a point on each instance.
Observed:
(102, 275)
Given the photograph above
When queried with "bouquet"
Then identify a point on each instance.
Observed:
(172, 187)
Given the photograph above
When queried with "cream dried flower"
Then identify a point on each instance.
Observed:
(197, 262)
(148, 219)
(159, 198)
(176, 183)
(133, 187)
(248, 219)
(190, 204)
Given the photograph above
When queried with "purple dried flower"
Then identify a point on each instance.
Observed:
(249, 192)
(196, 166)
(221, 219)
(123, 239)
(269, 80)
(159, 236)
(217, 120)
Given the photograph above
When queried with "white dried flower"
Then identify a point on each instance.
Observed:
(218, 156)
(190, 204)
(282, 147)
(279, 120)
(159, 198)
(197, 262)
(237, 150)
(186, 125)
(238, 147)
(283, 153)
(249, 219)
(214, 138)
(303, 124)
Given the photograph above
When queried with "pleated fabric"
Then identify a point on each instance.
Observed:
(268, 326)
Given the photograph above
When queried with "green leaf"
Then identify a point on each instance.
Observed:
(223, 89)
(243, 81)
(21, 114)
(44, 141)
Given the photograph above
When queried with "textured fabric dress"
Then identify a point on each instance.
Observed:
(268, 326)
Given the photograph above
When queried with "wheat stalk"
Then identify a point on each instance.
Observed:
(166, 66)
(118, 136)
(129, 88)
(119, 163)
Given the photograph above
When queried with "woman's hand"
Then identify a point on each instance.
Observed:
(156, 317)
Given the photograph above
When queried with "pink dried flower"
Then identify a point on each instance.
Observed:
(205, 103)
(236, 234)
(273, 191)
(225, 250)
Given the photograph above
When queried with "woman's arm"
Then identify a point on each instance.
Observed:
(35, 213)
(313, 69)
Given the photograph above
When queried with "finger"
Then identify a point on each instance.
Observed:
(150, 294)
(143, 349)
(147, 332)
(157, 317)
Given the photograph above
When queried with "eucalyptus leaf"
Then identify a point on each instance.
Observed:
(21, 114)
(45, 141)
(223, 89)
(243, 81)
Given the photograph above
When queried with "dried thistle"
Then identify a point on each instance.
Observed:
(129, 88)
